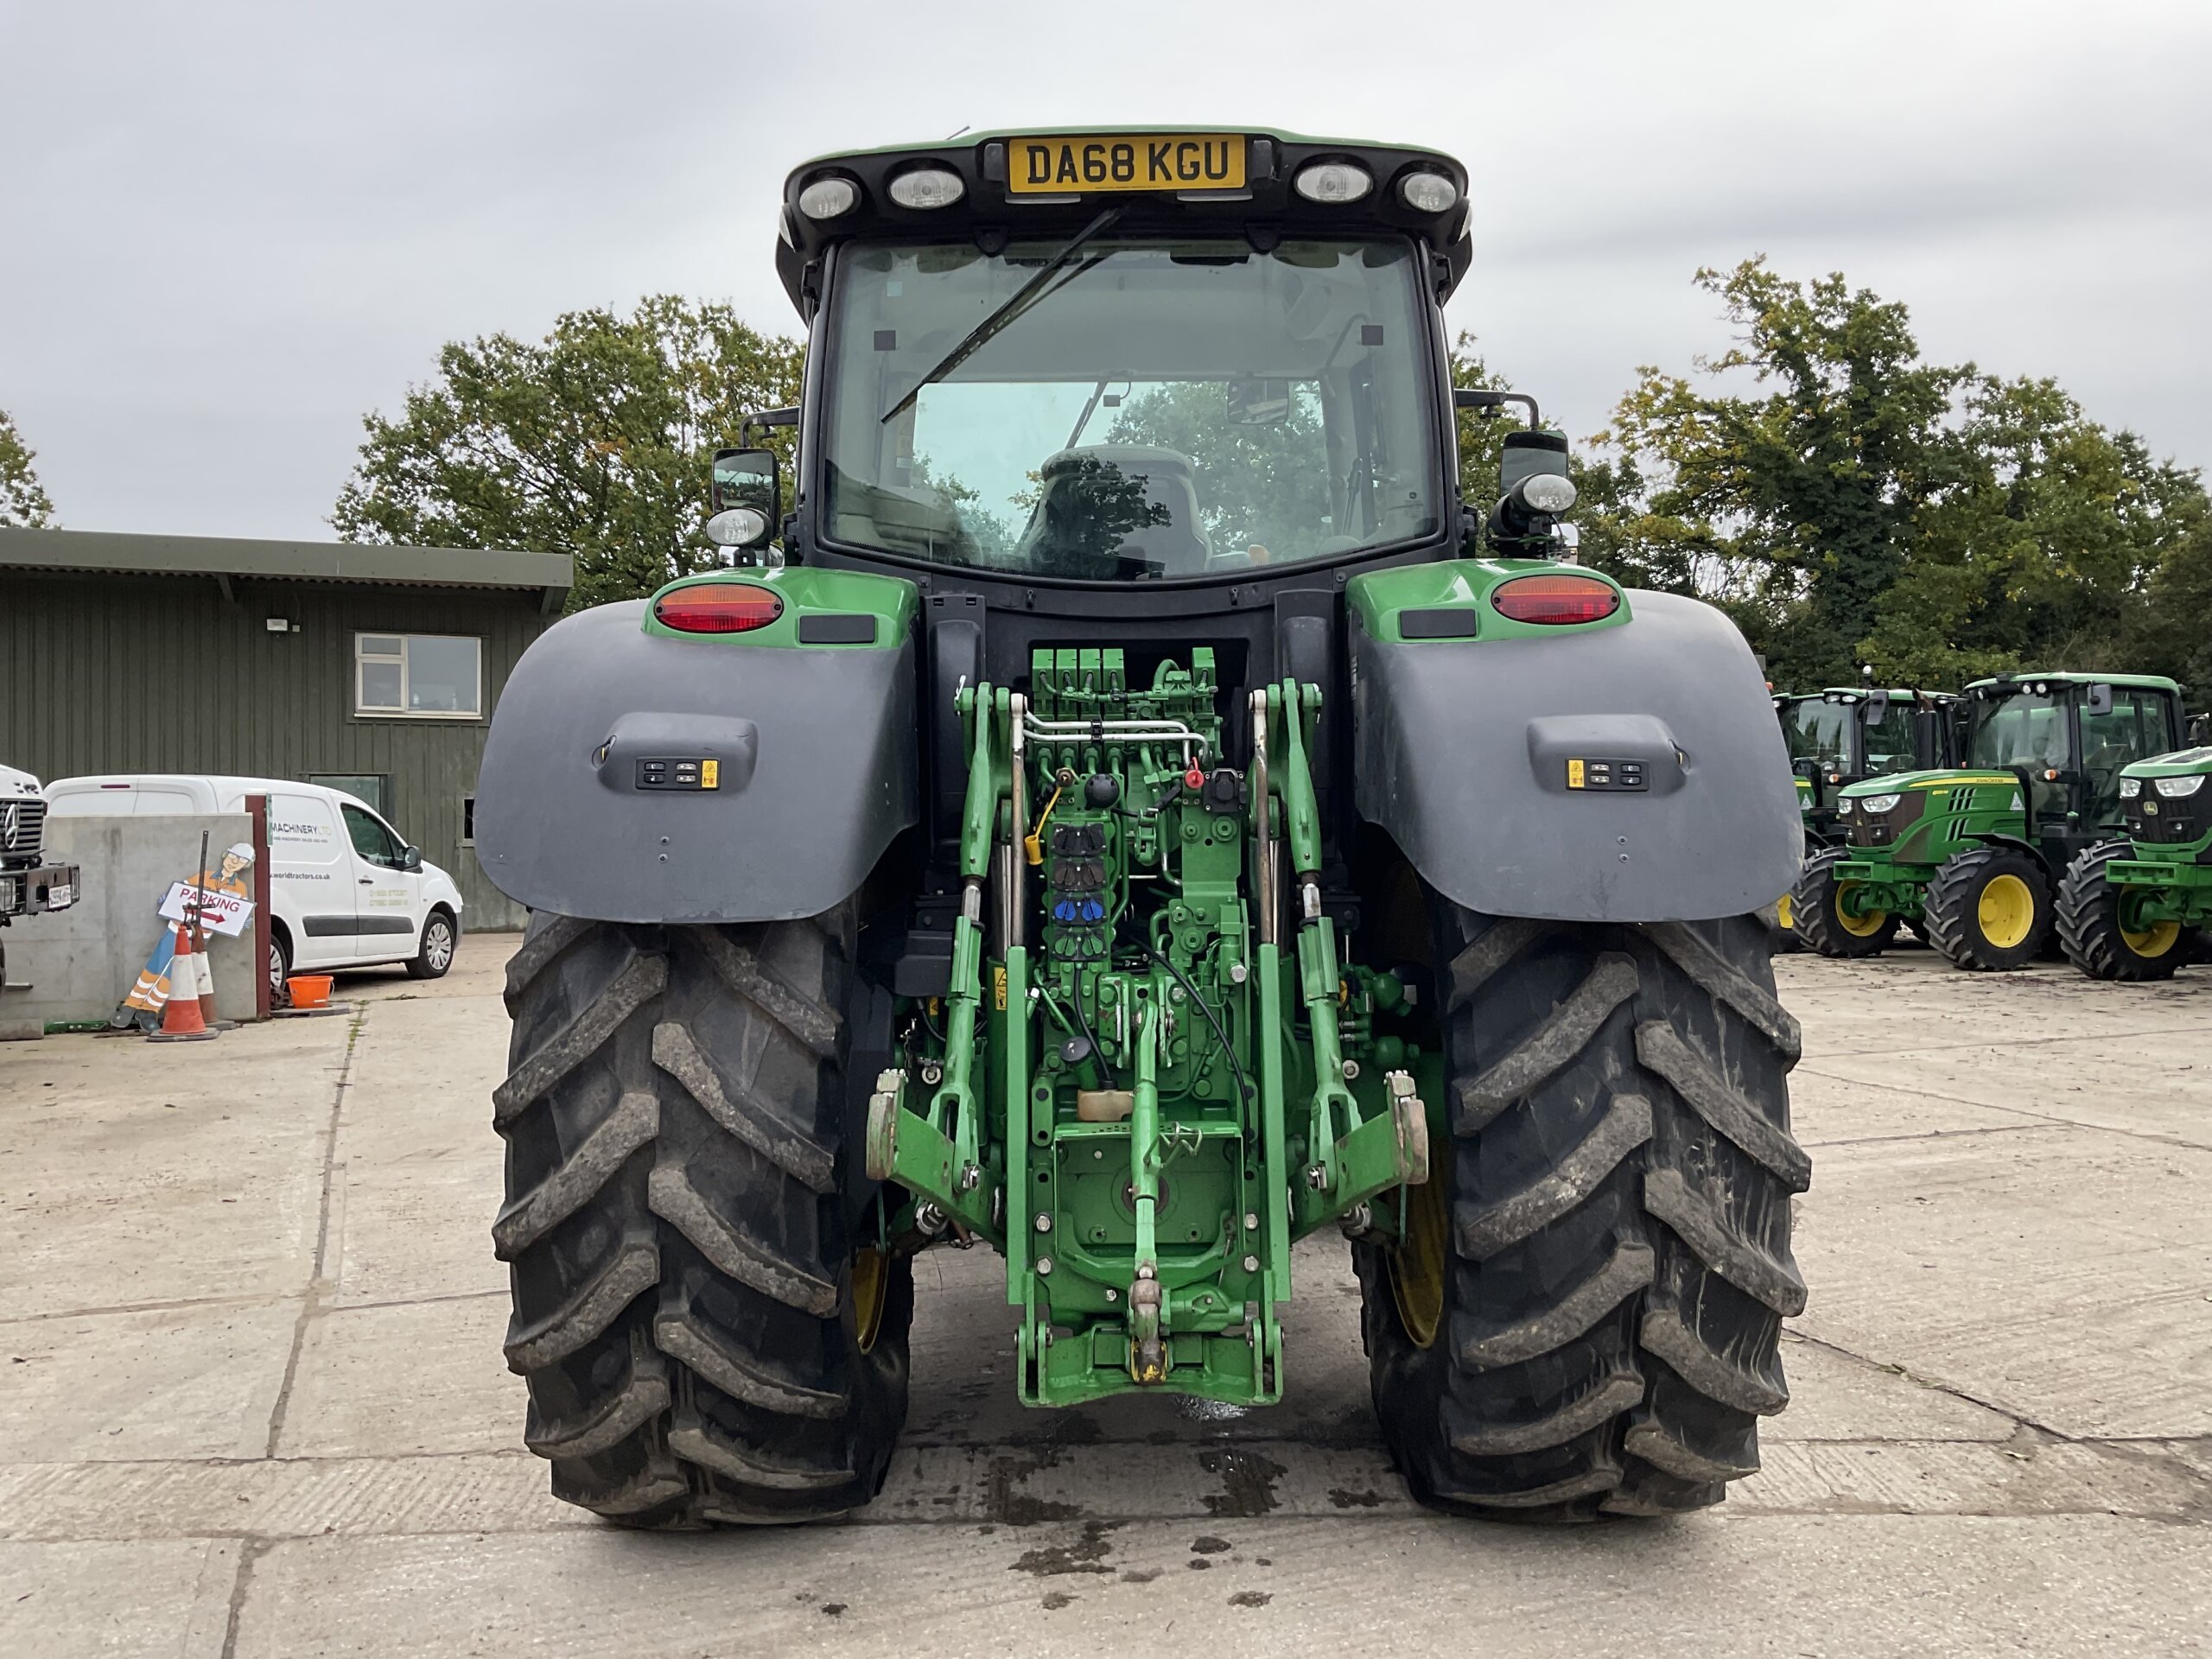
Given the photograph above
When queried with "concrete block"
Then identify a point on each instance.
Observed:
(169, 1596)
(175, 1382)
(140, 1172)
(78, 963)
(405, 1380)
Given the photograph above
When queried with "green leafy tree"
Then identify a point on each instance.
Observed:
(595, 441)
(2171, 629)
(23, 504)
(1794, 507)
(1861, 506)
(2040, 549)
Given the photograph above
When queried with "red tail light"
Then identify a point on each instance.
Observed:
(718, 607)
(1556, 598)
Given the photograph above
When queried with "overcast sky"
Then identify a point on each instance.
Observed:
(226, 230)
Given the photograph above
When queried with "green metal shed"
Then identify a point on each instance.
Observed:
(372, 668)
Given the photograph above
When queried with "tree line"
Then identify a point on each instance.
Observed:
(1851, 505)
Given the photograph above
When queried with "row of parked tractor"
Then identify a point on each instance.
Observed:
(2026, 812)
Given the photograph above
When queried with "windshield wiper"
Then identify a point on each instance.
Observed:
(1020, 301)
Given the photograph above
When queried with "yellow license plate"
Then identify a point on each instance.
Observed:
(1167, 161)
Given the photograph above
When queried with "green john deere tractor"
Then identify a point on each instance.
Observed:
(1141, 807)
(2134, 908)
(1972, 857)
(1846, 735)
(1849, 734)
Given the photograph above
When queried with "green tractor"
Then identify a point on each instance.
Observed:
(1849, 734)
(1136, 811)
(2134, 908)
(1846, 735)
(1972, 857)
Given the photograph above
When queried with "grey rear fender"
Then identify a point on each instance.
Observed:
(814, 767)
(1463, 749)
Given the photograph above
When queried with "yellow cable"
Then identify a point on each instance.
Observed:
(1032, 843)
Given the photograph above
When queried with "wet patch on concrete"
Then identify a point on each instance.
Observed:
(1005, 1500)
(1085, 1553)
(1247, 1481)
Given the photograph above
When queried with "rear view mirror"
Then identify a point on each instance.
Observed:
(2200, 730)
(2097, 700)
(745, 491)
(745, 478)
(1258, 402)
(410, 858)
(1875, 709)
(1529, 453)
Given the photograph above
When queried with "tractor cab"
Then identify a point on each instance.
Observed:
(2068, 737)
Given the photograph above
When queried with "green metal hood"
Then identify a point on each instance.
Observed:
(2183, 763)
(1895, 783)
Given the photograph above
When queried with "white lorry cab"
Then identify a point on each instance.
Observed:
(28, 885)
(345, 889)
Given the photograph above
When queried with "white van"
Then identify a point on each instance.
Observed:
(345, 891)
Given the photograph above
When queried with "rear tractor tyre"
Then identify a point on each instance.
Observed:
(1821, 914)
(1989, 910)
(707, 1329)
(1585, 1316)
(2094, 924)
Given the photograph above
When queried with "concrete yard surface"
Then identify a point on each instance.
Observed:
(252, 1401)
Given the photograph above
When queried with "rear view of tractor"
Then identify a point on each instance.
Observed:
(2134, 908)
(1973, 857)
(1140, 808)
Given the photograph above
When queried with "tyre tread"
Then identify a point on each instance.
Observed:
(1623, 1173)
(676, 1225)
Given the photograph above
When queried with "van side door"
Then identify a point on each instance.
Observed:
(385, 906)
(311, 880)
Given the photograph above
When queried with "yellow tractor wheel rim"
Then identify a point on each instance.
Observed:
(1418, 1265)
(2007, 911)
(871, 1289)
(1860, 927)
(1784, 914)
(2155, 940)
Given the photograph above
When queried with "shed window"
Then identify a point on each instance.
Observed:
(439, 675)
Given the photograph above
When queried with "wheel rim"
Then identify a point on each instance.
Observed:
(276, 968)
(1417, 1266)
(2153, 940)
(1784, 914)
(437, 949)
(1864, 926)
(2005, 911)
(871, 1289)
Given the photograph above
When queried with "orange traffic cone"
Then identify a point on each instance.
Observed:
(204, 973)
(181, 1020)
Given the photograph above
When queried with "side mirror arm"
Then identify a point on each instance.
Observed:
(1487, 403)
